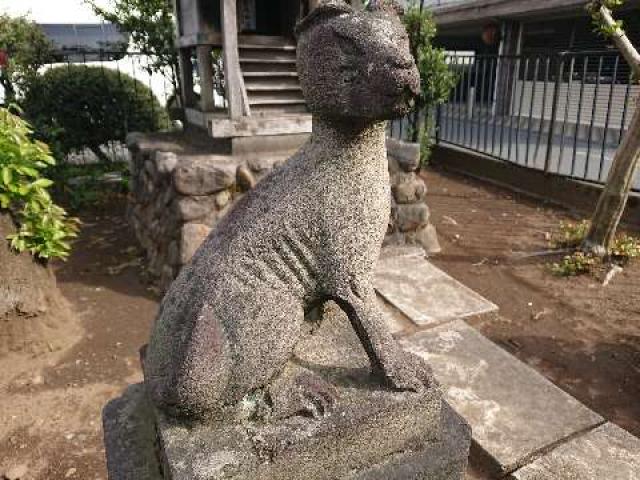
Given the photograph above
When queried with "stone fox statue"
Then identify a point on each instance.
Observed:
(308, 233)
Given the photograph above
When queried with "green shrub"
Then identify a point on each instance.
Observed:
(625, 248)
(75, 107)
(570, 235)
(437, 79)
(43, 227)
(577, 263)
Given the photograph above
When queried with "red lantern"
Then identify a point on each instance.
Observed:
(490, 34)
(4, 58)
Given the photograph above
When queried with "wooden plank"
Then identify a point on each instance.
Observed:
(252, 126)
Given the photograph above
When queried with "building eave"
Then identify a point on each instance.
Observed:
(480, 12)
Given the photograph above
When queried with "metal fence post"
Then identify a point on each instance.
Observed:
(554, 110)
(438, 121)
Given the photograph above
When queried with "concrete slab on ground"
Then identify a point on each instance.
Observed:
(397, 322)
(514, 412)
(424, 293)
(608, 452)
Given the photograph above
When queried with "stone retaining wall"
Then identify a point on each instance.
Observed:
(410, 217)
(180, 191)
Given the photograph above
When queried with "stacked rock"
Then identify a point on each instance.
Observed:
(180, 192)
(409, 223)
(178, 196)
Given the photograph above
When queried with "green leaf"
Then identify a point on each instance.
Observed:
(7, 175)
(42, 183)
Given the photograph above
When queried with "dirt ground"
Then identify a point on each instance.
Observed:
(50, 406)
(582, 336)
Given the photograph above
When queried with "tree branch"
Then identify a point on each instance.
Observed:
(619, 37)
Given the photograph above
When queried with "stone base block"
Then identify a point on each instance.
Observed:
(339, 449)
(372, 432)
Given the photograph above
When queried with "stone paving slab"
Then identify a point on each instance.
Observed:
(397, 322)
(514, 411)
(606, 453)
(424, 293)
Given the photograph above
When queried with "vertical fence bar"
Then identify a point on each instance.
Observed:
(533, 101)
(585, 70)
(554, 112)
(458, 102)
(566, 112)
(449, 111)
(522, 88)
(476, 66)
(512, 106)
(594, 110)
(509, 75)
(438, 123)
(505, 60)
(469, 104)
(481, 115)
(483, 103)
(543, 114)
(492, 87)
(608, 116)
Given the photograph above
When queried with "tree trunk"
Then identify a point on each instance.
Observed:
(34, 316)
(613, 199)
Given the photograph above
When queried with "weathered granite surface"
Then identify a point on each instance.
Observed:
(426, 294)
(608, 452)
(180, 189)
(308, 233)
(409, 223)
(373, 432)
(515, 412)
(130, 437)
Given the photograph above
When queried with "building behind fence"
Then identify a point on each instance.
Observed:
(547, 94)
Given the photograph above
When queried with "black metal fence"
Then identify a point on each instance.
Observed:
(564, 113)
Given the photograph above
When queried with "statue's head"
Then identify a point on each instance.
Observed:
(355, 63)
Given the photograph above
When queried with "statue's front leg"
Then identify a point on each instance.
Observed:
(399, 369)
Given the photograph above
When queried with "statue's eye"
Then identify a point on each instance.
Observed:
(348, 45)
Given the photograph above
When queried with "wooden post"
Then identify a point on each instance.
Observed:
(186, 77)
(205, 68)
(234, 81)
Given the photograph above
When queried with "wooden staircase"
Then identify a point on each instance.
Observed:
(270, 77)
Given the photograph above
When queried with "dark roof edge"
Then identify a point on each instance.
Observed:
(480, 11)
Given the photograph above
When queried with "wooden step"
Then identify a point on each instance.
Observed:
(268, 60)
(281, 48)
(268, 67)
(276, 101)
(263, 74)
(273, 88)
(279, 110)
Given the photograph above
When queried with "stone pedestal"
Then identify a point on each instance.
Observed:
(372, 433)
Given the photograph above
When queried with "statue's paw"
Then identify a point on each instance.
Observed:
(306, 395)
(407, 372)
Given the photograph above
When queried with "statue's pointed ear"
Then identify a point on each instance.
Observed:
(323, 12)
(387, 6)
